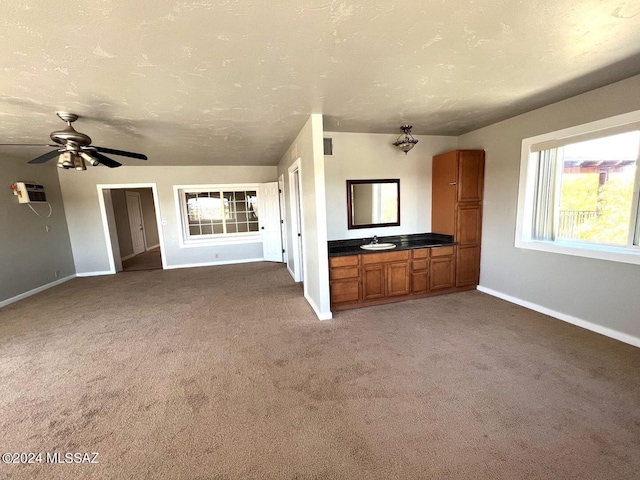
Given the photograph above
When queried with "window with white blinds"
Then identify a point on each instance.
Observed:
(579, 190)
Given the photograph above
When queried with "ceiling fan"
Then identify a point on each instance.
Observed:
(76, 148)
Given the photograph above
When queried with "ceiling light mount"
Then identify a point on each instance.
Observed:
(405, 141)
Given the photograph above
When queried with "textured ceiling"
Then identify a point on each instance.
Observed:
(232, 82)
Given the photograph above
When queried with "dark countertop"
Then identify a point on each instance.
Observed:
(339, 248)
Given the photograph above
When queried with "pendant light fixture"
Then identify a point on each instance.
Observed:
(405, 141)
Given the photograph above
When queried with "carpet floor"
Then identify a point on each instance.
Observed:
(225, 373)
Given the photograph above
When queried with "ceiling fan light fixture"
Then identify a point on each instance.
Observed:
(88, 158)
(78, 162)
(66, 161)
(405, 141)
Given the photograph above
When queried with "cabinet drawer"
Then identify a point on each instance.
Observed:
(441, 251)
(420, 253)
(420, 264)
(346, 291)
(385, 257)
(342, 273)
(347, 261)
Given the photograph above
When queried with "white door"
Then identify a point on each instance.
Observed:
(134, 210)
(269, 221)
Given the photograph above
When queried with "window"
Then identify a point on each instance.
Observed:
(579, 190)
(219, 212)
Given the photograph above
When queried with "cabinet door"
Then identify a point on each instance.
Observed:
(420, 282)
(373, 282)
(444, 177)
(442, 273)
(470, 175)
(345, 291)
(397, 279)
(469, 225)
(467, 266)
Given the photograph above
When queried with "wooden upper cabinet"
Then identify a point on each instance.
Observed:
(470, 175)
(457, 179)
(444, 179)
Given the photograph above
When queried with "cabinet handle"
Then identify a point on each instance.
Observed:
(452, 183)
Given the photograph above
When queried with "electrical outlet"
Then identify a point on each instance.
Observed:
(217, 255)
(56, 273)
(48, 228)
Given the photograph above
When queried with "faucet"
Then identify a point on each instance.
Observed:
(375, 240)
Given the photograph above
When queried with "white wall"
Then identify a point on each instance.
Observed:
(80, 193)
(308, 147)
(602, 293)
(29, 255)
(360, 156)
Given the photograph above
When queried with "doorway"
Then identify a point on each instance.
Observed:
(132, 227)
(297, 222)
(283, 216)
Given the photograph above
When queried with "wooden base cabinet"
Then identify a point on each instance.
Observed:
(385, 274)
(377, 278)
(373, 282)
(442, 273)
(467, 272)
(420, 271)
(344, 280)
(397, 279)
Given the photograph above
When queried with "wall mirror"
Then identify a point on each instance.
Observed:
(373, 203)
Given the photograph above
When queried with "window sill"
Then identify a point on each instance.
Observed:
(216, 242)
(610, 253)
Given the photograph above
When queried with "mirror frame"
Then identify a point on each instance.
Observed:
(350, 224)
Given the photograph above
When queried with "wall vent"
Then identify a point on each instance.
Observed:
(328, 146)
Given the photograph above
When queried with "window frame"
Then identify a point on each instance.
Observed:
(187, 241)
(527, 189)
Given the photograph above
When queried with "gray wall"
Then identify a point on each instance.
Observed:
(86, 231)
(604, 293)
(123, 230)
(29, 255)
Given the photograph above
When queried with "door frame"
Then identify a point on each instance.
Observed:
(105, 218)
(283, 217)
(295, 192)
(136, 195)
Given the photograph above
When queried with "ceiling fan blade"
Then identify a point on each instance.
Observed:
(27, 145)
(122, 153)
(46, 157)
(105, 160)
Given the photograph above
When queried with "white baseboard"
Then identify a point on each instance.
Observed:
(594, 327)
(293, 275)
(319, 314)
(95, 274)
(128, 257)
(157, 245)
(211, 264)
(42, 288)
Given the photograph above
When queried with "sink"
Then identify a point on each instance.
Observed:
(378, 246)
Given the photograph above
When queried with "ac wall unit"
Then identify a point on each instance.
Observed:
(30, 192)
